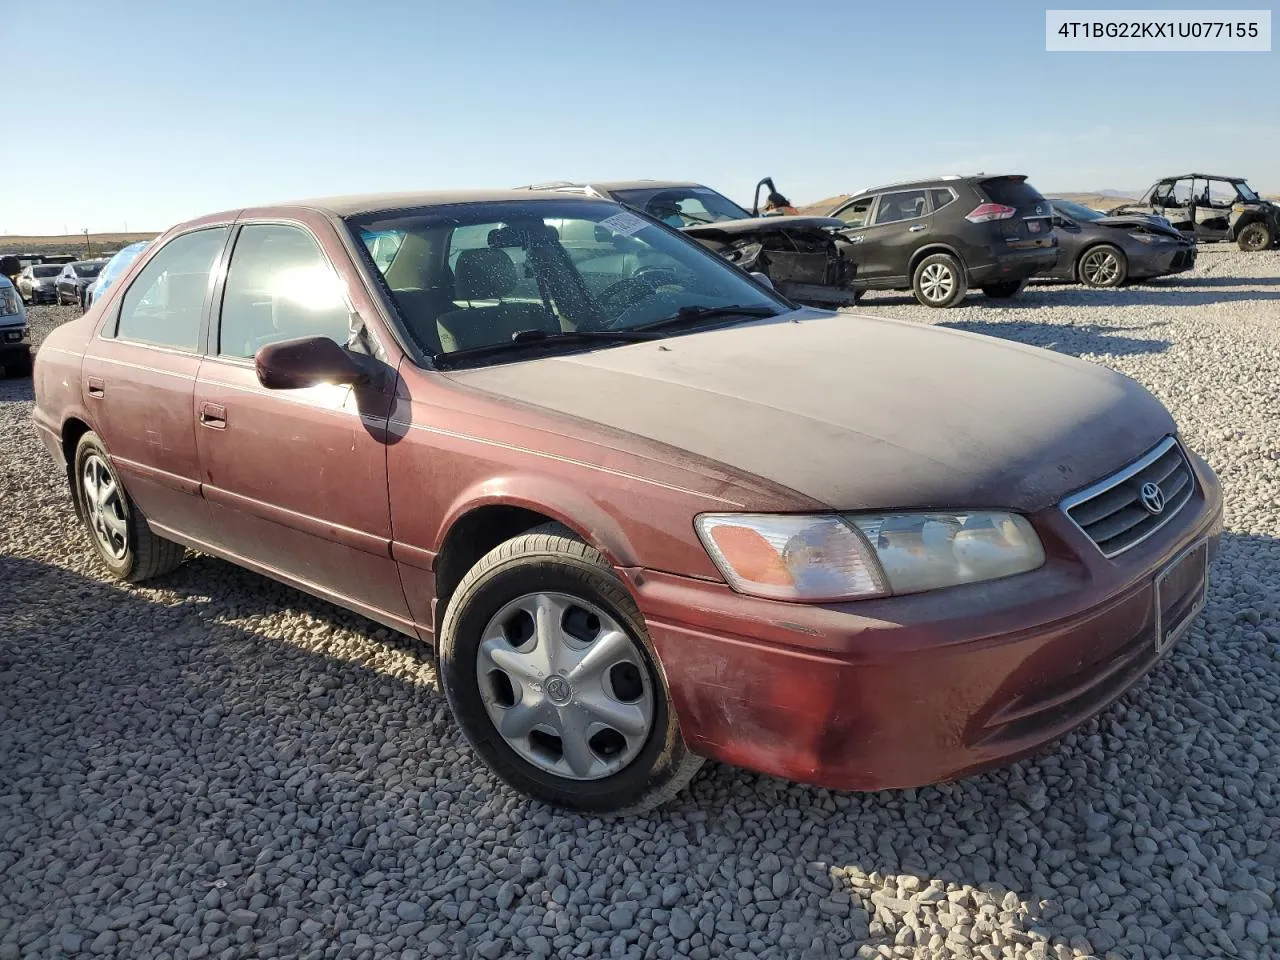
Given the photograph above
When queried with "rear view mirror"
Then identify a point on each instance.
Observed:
(762, 279)
(305, 362)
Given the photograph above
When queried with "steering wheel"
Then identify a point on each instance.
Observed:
(656, 276)
(620, 296)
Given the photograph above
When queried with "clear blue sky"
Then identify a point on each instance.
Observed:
(162, 111)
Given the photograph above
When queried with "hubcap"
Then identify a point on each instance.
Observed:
(1253, 238)
(104, 505)
(1101, 267)
(937, 282)
(565, 686)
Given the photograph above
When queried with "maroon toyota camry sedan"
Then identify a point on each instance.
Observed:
(645, 509)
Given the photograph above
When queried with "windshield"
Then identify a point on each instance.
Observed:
(1246, 191)
(682, 206)
(1075, 211)
(475, 275)
(116, 265)
(46, 270)
(86, 269)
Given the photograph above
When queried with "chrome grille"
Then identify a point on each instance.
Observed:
(1112, 513)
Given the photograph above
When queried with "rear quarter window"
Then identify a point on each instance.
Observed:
(1010, 192)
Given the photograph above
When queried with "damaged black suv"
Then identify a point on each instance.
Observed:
(1211, 208)
(805, 258)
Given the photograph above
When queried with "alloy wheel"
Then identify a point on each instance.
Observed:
(565, 686)
(1101, 267)
(936, 282)
(104, 506)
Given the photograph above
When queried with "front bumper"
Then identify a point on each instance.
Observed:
(14, 338)
(908, 691)
(1162, 260)
(1014, 265)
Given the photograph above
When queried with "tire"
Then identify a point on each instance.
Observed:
(550, 570)
(939, 281)
(1254, 237)
(1102, 267)
(136, 553)
(1005, 289)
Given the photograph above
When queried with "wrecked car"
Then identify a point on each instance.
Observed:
(645, 509)
(1105, 251)
(1211, 208)
(804, 257)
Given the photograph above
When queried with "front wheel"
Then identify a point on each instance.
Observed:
(939, 281)
(547, 666)
(119, 533)
(1103, 267)
(1004, 289)
(1254, 237)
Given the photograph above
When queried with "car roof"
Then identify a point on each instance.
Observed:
(926, 181)
(1204, 176)
(366, 203)
(610, 185)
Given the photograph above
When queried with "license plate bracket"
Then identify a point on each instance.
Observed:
(1181, 590)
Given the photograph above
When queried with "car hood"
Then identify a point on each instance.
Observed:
(1146, 222)
(859, 412)
(762, 225)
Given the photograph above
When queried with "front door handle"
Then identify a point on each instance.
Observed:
(855, 239)
(916, 229)
(96, 387)
(213, 415)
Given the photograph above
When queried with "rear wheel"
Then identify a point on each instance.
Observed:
(1004, 289)
(939, 281)
(1103, 266)
(1256, 236)
(118, 531)
(547, 666)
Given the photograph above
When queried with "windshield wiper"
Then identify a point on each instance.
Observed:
(536, 338)
(694, 314)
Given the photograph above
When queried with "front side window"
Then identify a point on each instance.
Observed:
(279, 287)
(478, 275)
(855, 214)
(904, 205)
(164, 304)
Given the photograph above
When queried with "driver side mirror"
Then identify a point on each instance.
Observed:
(305, 362)
(761, 279)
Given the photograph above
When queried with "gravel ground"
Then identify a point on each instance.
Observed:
(218, 766)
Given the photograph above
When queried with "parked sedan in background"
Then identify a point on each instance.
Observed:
(646, 510)
(38, 282)
(1105, 251)
(113, 268)
(74, 278)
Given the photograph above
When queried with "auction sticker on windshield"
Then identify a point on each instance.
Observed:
(625, 223)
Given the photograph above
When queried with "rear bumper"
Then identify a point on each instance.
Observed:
(1014, 265)
(910, 691)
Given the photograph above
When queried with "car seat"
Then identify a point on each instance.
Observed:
(486, 274)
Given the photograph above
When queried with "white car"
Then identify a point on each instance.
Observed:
(15, 337)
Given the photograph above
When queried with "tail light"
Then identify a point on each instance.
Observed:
(990, 211)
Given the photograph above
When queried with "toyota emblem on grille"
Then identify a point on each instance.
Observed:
(1152, 498)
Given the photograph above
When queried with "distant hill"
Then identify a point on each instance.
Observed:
(72, 243)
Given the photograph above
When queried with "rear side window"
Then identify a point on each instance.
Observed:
(164, 304)
(1011, 191)
(279, 286)
(904, 205)
(941, 197)
(855, 214)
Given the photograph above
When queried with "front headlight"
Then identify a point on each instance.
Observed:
(1151, 238)
(832, 557)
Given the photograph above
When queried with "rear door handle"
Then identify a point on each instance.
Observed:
(96, 387)
(916, 229)
(213, 415)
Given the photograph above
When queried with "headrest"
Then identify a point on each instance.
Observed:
(483, 274)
